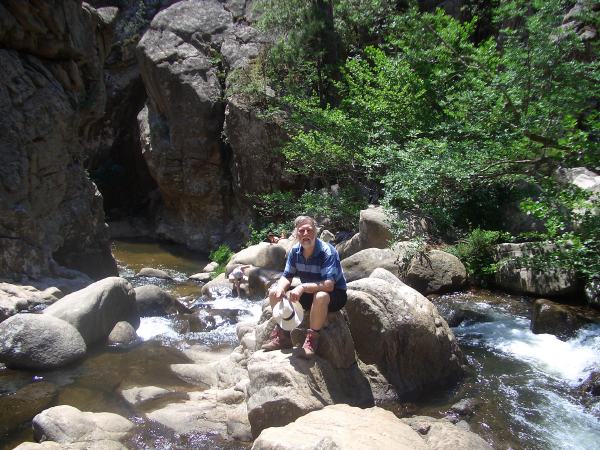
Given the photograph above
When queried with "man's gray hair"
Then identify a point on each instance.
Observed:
(300, 220)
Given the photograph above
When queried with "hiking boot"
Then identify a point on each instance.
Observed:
(278, 340)
(310, 344)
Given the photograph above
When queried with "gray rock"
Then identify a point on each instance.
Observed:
(205, 412)
(95, 310)
(122, 335)
(38, 341)
(16, 298)
(592, 292)
(374, 228)
(65, 424)
(349, 247)
(153, 301)
(342, 427)
(443, 435)
(435, 272)
(361, 264)
(263, 255)
(155, 273)
(137, 396)
(284, 387)
(563, 321)
(400, 332)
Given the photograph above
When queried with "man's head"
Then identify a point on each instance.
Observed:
(305, 229)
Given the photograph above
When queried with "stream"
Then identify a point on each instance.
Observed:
(524, 385)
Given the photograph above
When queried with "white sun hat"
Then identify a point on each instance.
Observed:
(288, 314)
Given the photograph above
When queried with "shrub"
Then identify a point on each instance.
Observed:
(221, 255)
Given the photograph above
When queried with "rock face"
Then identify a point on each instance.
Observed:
(50, 93)
(37, 341)
(561, 320)
(514, 276)
(400, 332)
(190, 53)
(95, 310)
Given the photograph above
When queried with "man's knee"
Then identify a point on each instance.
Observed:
(322, 298)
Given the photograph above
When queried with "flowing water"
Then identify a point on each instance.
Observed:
(524, 385)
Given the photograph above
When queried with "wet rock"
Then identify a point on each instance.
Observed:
(592, 292)
(38, 341)
(66, 425)
(465, 407)
(23, 405)
(456, 317)
(203, 277)
(218, 286)
(95, 310)
(284, 387)
(400, 332)
(122, 335)
(154, 273)
(591, 385)
(550, 317)
(342, 427)
(440, 434)
(153, 301)
(197, 323)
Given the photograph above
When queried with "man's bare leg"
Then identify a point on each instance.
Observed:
(319, 310)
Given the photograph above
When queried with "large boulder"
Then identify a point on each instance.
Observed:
(374, 228)
(434, 272)
(284, 387)
(514, 275)
(38, 341)
(66, 424)
(361, 264)
(400, 332)
(560, 320)
(153, 301)
(51, 91)
(342, 427)
(263, 255)
(95, 310)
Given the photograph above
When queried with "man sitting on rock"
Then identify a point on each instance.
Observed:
(322, 288)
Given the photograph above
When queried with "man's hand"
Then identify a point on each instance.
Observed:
(296, 293)
(278, 292)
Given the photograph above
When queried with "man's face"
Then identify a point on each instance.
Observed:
(306, 235)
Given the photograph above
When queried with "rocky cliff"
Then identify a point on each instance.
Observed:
(51, 92)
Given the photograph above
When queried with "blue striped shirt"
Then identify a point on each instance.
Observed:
(323, 264)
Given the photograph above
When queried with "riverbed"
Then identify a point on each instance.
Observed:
(523, 386)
